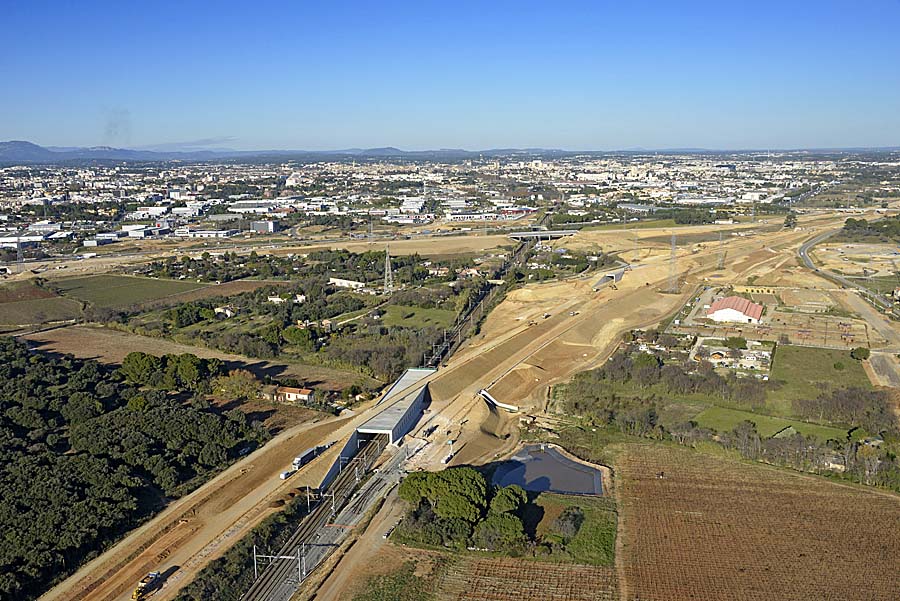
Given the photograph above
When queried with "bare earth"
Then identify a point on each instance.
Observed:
(715, 528)
(110, 346)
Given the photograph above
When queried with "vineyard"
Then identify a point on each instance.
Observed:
(525, 580)
(696, 526)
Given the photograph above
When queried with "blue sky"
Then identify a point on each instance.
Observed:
(488, 74)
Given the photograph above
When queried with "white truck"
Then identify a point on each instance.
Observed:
(287, 474)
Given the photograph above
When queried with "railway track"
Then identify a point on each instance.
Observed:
(282, 576)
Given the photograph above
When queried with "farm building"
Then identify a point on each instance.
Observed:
(292, 395)
(735, 309)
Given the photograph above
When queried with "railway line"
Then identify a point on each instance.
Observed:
(280, 579)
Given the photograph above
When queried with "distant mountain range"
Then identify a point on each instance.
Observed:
(20, 152)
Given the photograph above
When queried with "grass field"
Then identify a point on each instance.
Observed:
(724, 420)
(634, 225)
(11, 292)
(717, 528)
(802, 370)
(417, 317)
(39, 310)
(595, 542)
(120, 290)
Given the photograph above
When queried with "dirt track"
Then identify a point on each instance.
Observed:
(518, 359)
(518, 362)
(198, 527)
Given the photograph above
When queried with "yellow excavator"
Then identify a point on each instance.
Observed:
(147, 585)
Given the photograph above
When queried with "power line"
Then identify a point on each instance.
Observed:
(388, 273)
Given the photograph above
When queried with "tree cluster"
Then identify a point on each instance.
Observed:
(456, 508)
(85, 455)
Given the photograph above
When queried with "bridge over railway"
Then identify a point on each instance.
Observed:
(541, 234)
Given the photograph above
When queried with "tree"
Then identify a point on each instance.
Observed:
(508, 499)
(736, 342)
(238, 385)
(860, 353)
(138, 367)
(498, 531)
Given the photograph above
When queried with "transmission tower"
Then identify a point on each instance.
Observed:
(721, 252)
(388, 273)
(673, 269)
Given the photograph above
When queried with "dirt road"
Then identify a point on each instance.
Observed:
(198, 527)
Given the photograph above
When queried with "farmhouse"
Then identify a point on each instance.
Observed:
(290, 394)
(735, 309)
(341, 283)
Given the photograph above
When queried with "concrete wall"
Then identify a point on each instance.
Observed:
(347, 453)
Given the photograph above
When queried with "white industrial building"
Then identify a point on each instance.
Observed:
(734, 309)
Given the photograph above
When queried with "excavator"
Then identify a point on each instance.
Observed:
(146, 586)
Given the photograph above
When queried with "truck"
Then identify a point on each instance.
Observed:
(287, 474)
(147, 585)
(305, 457)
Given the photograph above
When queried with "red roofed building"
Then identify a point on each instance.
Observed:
(735, 309)
(290, 394)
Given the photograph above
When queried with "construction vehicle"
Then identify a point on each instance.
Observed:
(147, 585)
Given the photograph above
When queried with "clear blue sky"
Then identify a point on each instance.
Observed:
(425, 74)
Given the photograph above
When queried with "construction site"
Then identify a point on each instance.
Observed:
(464, 412)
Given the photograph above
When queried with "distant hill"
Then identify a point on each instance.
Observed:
(19, 152)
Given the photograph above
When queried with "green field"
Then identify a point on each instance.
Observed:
(417, 317)
(802, 370)
(721, 419)
(633, 225)
(117, 291)
(39, 310)
(595, 542)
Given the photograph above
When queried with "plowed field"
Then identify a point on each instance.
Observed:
(715, 528)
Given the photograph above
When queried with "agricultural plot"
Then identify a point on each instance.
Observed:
(417, 317)
(211, 291)
(11, 292)
(716, 528)
(110, 346)
(116, 291)
(37, 311)
(802, 372)
(25, 303)
(509, 579)
(722, 419)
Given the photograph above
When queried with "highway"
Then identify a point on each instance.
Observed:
(803, 253)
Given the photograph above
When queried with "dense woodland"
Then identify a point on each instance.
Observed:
(363, 267)
(886, 229)
(875, 463)
(87, 452)
(456, 508)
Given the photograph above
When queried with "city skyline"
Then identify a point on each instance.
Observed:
(583, 77)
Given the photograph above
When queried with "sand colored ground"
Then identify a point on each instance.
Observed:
(198, 527)
(110, 346)
(853, 258)
(716, 528)
(518, 361)
(550, 350)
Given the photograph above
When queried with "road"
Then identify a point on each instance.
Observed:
(475, 366)
(803, 253)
